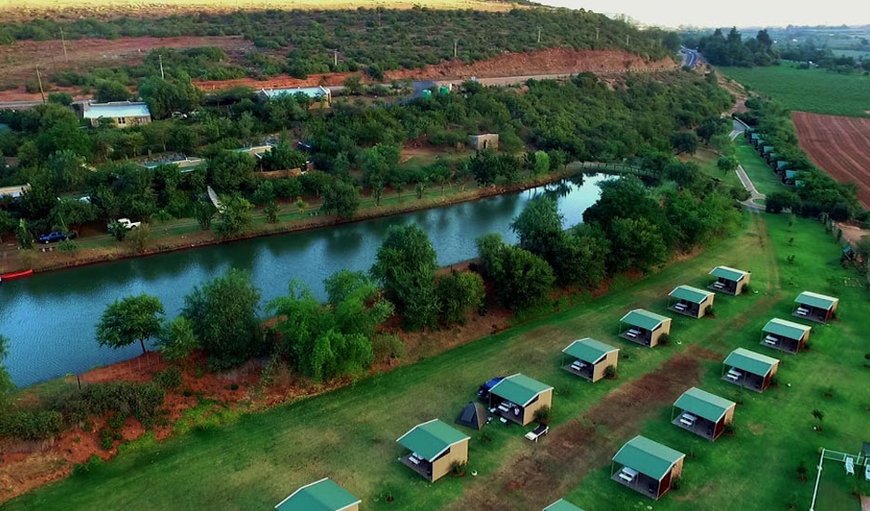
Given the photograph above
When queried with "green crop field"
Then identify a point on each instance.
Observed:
(251, 462)
(808, 90)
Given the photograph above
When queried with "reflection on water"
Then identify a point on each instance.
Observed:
(50, 318)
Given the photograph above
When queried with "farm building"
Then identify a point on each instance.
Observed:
(121, 114)
(702, 413)
(483, 141)
(14, 192)
(749, 369)
(785, 335)
(590, 358)
(647, 467)
(320, 96)
(729, 280)
(518, 397)
(644, 327)
(473, 415)
(434, 447)
(815, 307)
(562, 505)
(690, 301)
(323, 495)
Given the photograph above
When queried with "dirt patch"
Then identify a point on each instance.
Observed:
(19, 60)
(852, 233)
(536, 477)
(839, 145)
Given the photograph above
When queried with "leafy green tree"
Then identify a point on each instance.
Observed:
(341, 199)
(405, 265)
(7, 223)
(167, 96)
(727, 163)
(540, 162)
(110, 90)
(23, 235)
(135, 318)
(223, 315)
(684, 142)
(539, 226)
(231, 170)
(235, 217)
(60, 98)
(271, 211)
(139, 238)
(204, 212)
(637, 243)
(357, 303)
(458, 294)
(581, 256)
(283, 157)
(71, 213)
(177, 340)
(118, 230)
(520, 277)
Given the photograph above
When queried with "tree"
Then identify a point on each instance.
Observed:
(637, 243)
(458, 294)
(341, 199)
(70, 213)
(60, 98)
(520, 277)
(229, 171)
(110, 90)
(177, 340)
(139, 237)
(405, 266)
(6, 385)
(539, 226)
(223, 316)
(167, 96)
(776, 202)
(204, 212)
(135, 318)
(727, 163)
(235, 217)
(353, 85)
(282, 156)
(581, 256)
(684, 142)
(7, 223)
(271, 211)
(23, 235)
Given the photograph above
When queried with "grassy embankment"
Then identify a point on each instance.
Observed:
(807, 90)
(762, 176)
(253, 461)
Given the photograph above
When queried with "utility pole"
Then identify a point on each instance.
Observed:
(335, 59)
(63, 44)
(626, 39)
(39, 79)
(160, 58)
(539, 35)
(455, 48)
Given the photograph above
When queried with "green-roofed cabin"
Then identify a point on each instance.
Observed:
(323, 495)
(644, 327)
(789, 177)
(434, 447)
(749, 369)
(771, 157)
(562, 505)
(690, 301)
(702, 413)
(754, 138)
(590, 358)
(647, 467)
(815, 307)
(765, 150)
(780, 166)
(784, 335)
(729, 280)
(517, 398)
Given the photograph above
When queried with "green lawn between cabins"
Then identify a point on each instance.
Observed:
(808, 90)
(252, 462)
(763, 177)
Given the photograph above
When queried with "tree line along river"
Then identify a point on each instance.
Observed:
(50, 318)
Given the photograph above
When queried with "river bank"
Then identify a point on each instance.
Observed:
(168, 239)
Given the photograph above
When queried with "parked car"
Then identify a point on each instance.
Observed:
(55, 236)
(126, 223)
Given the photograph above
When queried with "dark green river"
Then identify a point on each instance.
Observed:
(50, 317)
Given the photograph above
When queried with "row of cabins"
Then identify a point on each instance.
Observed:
(773, 159)
(644, 465)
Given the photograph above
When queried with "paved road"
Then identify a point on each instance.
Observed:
(737, 131)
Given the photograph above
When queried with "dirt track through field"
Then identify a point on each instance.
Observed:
(839, 145)
(559, 462)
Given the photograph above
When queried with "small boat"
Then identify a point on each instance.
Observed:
(16, 275)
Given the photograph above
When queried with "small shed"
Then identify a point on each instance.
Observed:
(434, 447)
(815, 307)
(647, 467)
(702, 413)
(690, 301)
(517, 398)
(121, 114)
(729, 280)
(590, 358)
(771, 159)
(562, 505)
(472, 416)
(644, 327)
(484, 141)
(785, 335)
(323, 495)
(754, 139)
(749, 369)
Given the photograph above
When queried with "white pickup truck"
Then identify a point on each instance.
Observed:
(126, 223)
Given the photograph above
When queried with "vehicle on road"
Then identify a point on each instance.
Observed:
(125, 222)
(55, 236)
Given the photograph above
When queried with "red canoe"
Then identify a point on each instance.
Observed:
(15, 275)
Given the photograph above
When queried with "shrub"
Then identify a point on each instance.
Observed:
(459, 468)
(387, 347)
(31, 425)
(610, 372)
(169, 378)
(665, 339)
(709, 311)
(106, 439)
(542, 414)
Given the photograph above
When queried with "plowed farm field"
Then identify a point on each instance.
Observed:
(840, 146)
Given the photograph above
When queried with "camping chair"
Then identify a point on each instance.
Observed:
(850, 465)
(538, 432)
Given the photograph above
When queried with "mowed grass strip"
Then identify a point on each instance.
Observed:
(807, 90)
(763, 177)
(349, 434)
(756, 468)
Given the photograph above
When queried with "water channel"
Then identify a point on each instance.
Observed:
(50, 318)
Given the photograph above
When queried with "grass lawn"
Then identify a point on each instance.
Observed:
(253, 461)
(807, 90)
(706, 161)
(764, 179)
